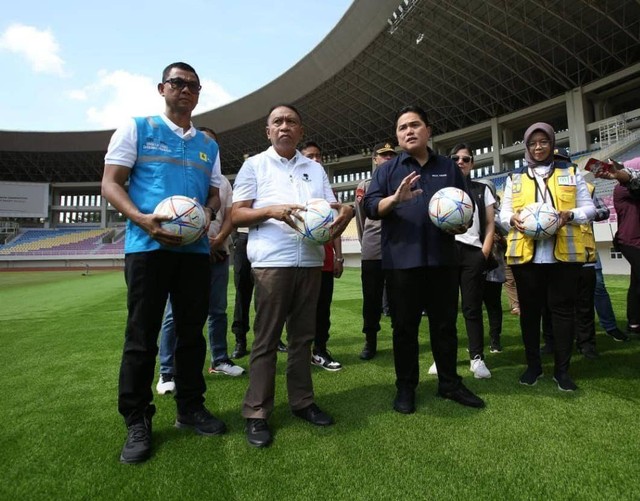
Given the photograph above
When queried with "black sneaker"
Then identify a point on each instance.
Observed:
(282, 348)
(564, 382)
(202, 422)
(618, 335)
(588, 352)
(530, 376)
(322, 358)
(137, 448)
(633, 329)
(239, 351)
(258, 433)
(495, 347)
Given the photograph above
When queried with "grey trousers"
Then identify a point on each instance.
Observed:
(282, 295)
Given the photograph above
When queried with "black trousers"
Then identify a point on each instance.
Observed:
(632, 254)
(244, 288)
(492, 298)
(150, 278)
(472, 279)
(557, 285)
(585, 309)
(411, 291)
(323, 311)
(372, 278)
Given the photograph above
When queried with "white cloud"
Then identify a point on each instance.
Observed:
(78, 95)
(39, 47)
(118, 95)
(212, 96)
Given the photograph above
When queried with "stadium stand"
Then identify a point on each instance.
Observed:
(484, 70)
(56, 242)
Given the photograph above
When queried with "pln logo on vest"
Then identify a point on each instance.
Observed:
(204, 157)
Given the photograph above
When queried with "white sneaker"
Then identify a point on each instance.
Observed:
(227, 367)
(165, 384)
(325, 360)
(479, 369)
(433, 370)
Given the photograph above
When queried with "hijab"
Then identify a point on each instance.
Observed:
(548, 130)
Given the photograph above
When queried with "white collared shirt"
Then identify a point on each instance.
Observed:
(584, 211)
(269, 179)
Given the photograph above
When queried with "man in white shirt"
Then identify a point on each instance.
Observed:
(269, 190)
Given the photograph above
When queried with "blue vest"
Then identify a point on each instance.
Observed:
(167, 165)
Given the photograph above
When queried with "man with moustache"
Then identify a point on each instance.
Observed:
(270, 189)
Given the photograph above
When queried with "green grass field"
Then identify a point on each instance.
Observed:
(61, 341)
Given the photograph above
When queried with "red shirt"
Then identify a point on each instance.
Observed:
(328, 257)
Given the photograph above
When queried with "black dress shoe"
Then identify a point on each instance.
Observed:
(463, 396)
(239, 351)
(369, 351)
(314, 415)
(405, 401)
(258, 433)
(282, 348)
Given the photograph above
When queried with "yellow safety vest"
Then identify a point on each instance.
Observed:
(589, 239)
(569, 246)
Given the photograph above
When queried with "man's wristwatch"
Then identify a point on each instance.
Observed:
(571, 215)
(340, 259)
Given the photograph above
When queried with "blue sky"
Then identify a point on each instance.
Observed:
(72, 65)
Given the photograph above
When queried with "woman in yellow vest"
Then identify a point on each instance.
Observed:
(547, 271)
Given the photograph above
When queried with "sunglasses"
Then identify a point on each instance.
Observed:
(181, 83)
(465, 158)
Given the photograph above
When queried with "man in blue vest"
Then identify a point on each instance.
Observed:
(162, 156)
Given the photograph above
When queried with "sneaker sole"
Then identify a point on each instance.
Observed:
(326, 368)
(531, 384)
(200, 431)
(137, 460)
(218, 373)
(568, 390)
(475, 375)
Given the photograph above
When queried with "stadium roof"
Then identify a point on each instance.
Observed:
(465, 61)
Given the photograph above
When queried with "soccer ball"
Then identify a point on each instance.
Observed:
(451, 210)
(188, 217)
(316, 221)
(540, 220)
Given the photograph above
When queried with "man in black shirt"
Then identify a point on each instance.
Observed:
(420, 260)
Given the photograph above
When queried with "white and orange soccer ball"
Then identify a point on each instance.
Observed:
(540, 220)
(188, 217)
(451, 210)
(316, 221)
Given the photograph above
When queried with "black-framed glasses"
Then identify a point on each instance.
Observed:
(544, 143)
(465, 158)
(181, 83)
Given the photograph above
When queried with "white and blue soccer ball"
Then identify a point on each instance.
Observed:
(540, 220)
(188, 217)
(451, 210)
(316, 222)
